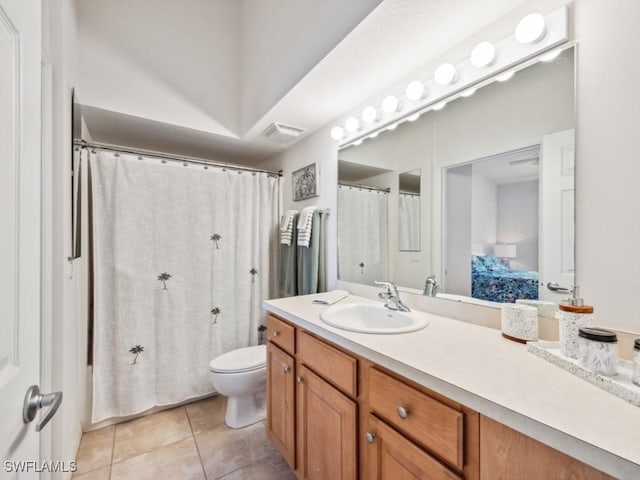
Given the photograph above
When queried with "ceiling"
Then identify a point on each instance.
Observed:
(207, 80)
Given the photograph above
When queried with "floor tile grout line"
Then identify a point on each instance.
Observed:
(206, 477)
(113, 451)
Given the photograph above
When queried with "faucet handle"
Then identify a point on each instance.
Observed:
(388, 286)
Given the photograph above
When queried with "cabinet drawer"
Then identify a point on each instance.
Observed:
(281, 333)
(332, 364)
(390, 456)
(436, 426)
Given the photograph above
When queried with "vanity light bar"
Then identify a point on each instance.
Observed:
(535, 36)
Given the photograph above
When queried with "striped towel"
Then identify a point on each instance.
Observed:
(286, 227)
(304, 226)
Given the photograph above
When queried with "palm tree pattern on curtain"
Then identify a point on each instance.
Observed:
(253, 273)
(137, 350)
(215, 311)
(163, 277)
(216, 238)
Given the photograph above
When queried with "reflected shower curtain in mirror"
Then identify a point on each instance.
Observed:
(362, 234)
(182, 263)
(408, 222)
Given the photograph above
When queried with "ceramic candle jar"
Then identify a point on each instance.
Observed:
(519, 322)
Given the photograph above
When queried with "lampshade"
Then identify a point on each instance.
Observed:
(505, 250)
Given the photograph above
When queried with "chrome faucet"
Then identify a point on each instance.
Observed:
(431, 286)
(391, 297)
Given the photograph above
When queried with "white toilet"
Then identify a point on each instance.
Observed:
(241, 375)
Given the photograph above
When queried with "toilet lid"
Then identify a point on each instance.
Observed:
(240, 360)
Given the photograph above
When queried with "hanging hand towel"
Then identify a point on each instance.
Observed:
(329, 298)
(287, 226)
(304, 226)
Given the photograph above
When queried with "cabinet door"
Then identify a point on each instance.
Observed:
(505, 454)
(390, 456)
(327, 424)
(281, 402)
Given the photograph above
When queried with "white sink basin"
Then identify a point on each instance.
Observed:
(371, 318)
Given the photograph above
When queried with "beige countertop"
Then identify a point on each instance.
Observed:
(475, 366)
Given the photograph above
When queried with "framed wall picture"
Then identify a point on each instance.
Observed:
(305, 183)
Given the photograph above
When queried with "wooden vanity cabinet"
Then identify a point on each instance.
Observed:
(281, 402)
(336, 416)
(326, 411)
(391, 456)
(414, 432)
(507, 454)
(326, 430)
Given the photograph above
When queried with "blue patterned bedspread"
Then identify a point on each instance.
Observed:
(492, 280)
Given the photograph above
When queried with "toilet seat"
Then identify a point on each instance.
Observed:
(240, 360)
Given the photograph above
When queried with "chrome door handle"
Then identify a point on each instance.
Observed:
(299, 380)
(274, 334)
(371, 437)
(554, 287)
(285, 368)
(34, 401)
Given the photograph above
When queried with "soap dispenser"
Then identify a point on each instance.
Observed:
(572, 315)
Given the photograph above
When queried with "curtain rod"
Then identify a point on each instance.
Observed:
(170, 157)
(364, 187)
(414, 194)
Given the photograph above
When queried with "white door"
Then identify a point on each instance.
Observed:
(557, 219)
(20, 228)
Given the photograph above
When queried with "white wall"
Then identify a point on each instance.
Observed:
(484, 205)
(457, 258)
(68, 285)
(320, 149)
(607, 168)
(607, 164)
(282, 40)
(517, 221)
(173, 62)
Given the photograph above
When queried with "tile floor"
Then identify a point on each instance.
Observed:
(190, 442)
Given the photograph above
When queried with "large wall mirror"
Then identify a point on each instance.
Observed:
(490, 179)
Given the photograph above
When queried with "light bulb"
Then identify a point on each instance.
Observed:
(369, 114)
(415, 90)
(392, 126)
(358, 142)
(551, 56)
(414, 117)
(446, 74)
(468, 92)
(438, 106)
(503, 77)
(352, 124)
(390, 104)
(531, 29)
(374, 134)
(337, 133)
(483, 54)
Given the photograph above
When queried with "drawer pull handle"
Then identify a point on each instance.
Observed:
(285, 368)
(371, 437)
(299, 380)
(275, 334)
(403, 412)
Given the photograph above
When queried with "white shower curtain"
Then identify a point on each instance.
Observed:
(362, 234)
(182, 263)
(408, 222)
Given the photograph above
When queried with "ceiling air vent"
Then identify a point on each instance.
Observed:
(280, 132)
